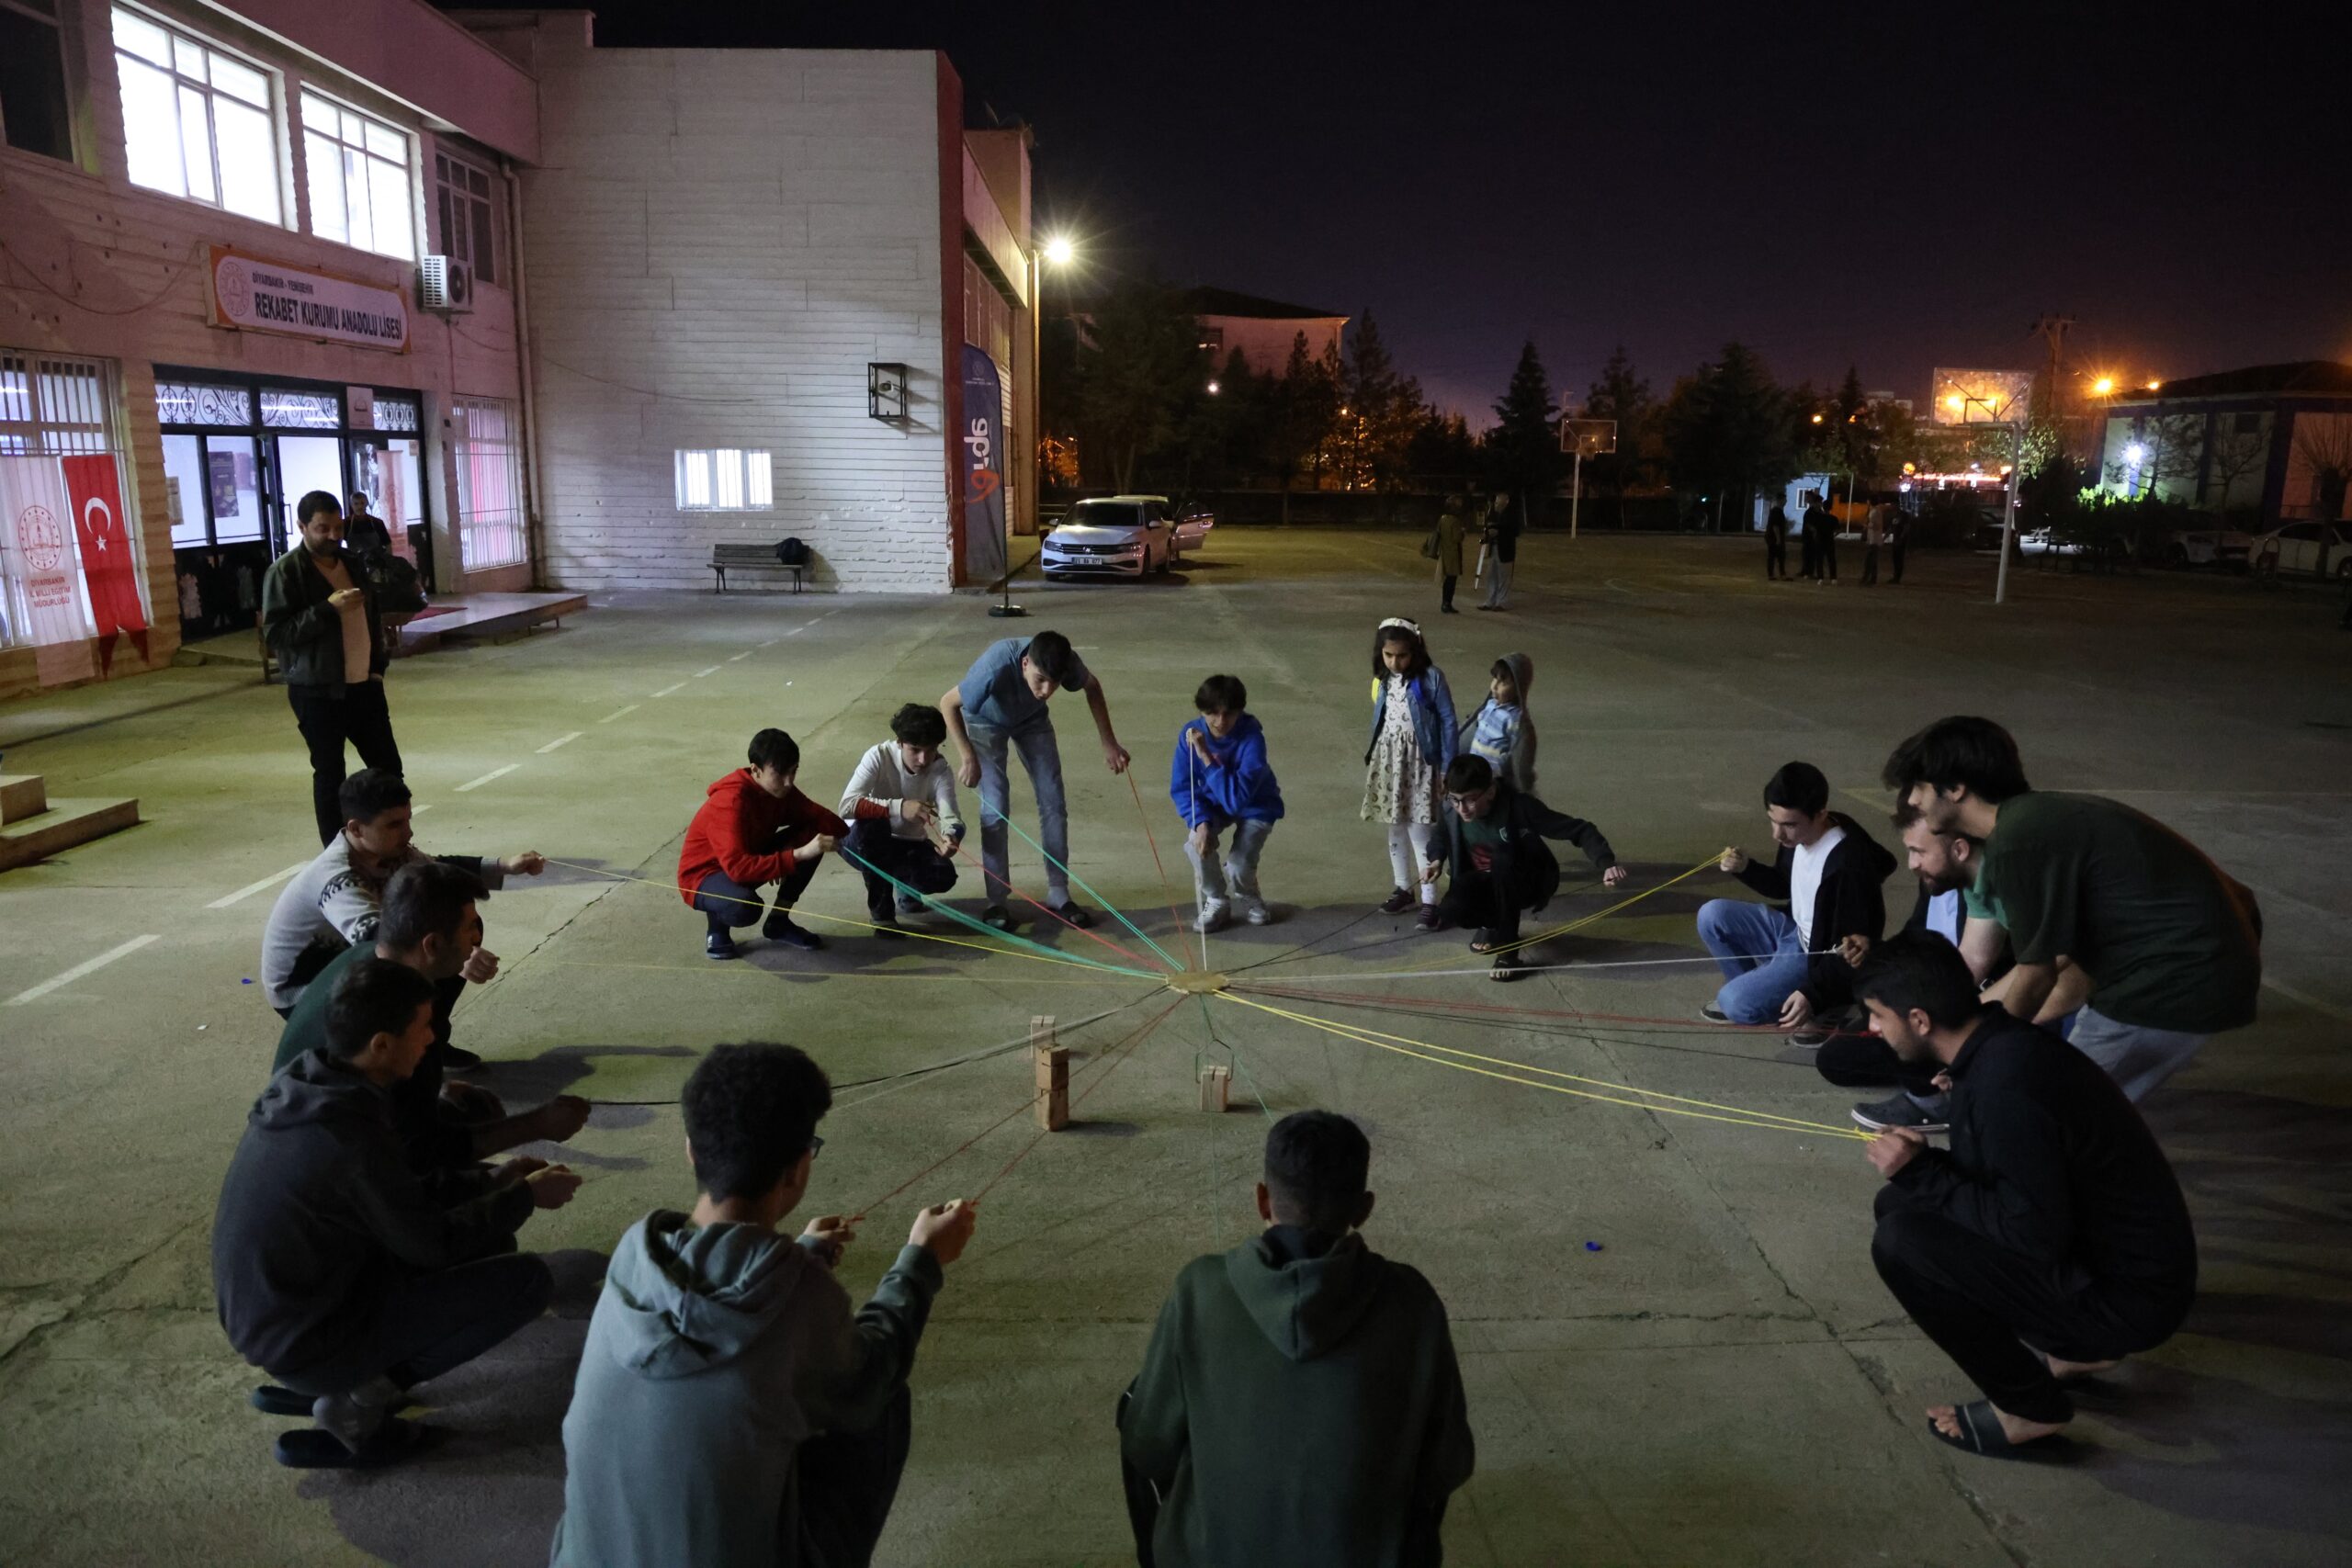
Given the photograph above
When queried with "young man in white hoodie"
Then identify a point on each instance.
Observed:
(901, 805)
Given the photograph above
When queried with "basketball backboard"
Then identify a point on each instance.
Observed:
(1983, 397)
(1589, 437)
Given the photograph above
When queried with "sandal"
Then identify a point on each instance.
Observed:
(1506, 969)
(1980, 1433)
(272, 1400)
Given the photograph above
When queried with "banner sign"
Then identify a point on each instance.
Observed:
(254, 294)
(93, 487)
(981, 461)
(36, 547)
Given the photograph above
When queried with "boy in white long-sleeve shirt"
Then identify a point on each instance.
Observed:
(901, 805)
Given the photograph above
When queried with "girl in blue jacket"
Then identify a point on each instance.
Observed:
(1220, 778)
(1413, 731)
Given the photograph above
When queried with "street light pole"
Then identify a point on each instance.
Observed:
(1005, 609)
(2009, 514)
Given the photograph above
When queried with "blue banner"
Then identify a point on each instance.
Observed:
(981, 460)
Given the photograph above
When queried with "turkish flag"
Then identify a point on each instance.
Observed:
(95, 493)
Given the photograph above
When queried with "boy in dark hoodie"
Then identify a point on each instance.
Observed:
(756, 827)
(1493, 838)
(1220, 778)
(730, 1411)
(339, 1271)
(1300, 1402)
(1780, 961)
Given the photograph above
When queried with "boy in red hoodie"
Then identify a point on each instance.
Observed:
(756, 827)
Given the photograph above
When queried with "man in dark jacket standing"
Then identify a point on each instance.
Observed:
(1781, 964)
(338, 1269)
(1300, 1402)
(323, 624)
(1504, 521)
(2051, 1240)
(1493, 838)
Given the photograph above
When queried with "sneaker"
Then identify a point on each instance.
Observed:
(1901, 1111)
(1714, 1014)
(457, 1059)
(1398, 902)
(720, 945)
(1212, 917)
(888, 930)
(998, 916)
(1447, 609)
(779, 927)
(1812, 1037)
(1430, 919)
(1077, 914)
(909, 905)
(1255, 912)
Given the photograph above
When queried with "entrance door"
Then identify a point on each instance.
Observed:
(304, 463)
(390, 470)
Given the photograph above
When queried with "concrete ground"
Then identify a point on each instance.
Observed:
(1724, 1381)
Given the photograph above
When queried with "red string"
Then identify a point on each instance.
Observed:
(987, 876)
(1165, 887)
(1132, 1043)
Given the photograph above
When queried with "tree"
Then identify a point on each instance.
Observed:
(1523, 448)
(1728, 431)
(1139, 365)
(1442, 449)
(1619, 394)
(1383, 410)
(2324, 445)
(2231, 453)
(1302, 406)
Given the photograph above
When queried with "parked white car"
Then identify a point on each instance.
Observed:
(2297, 544)
(2043, 542)
(2208, 546)
(1124, 535)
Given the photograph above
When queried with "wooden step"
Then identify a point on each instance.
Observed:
(65, 824)
(22, 795)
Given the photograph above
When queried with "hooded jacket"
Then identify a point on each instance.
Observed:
(715, 1353)
(1236, 786)
(748, 833)
(1435, 724)
(1300, 1404)
(1525, 823)
(1850, 902)
(1504, 733)
(321, 1209)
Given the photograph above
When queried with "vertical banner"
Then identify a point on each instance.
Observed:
(981, 461)
(37, 550)
(93, 487)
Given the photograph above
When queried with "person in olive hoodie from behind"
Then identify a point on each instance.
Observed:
(1300, 1402)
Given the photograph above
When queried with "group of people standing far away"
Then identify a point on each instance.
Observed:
(1883, 523)
(1496, 536)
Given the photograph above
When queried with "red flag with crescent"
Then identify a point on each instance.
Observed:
(96, 491)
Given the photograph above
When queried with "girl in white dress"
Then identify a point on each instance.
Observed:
(1413, 733)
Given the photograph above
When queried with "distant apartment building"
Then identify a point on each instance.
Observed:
(1263, 329)
(2252, 442)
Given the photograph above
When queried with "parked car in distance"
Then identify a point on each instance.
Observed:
(2043, 542)
(2208, 546)
(2297, 544)
(1121, 535)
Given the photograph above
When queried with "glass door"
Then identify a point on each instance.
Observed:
(304, 463)
(391, 472)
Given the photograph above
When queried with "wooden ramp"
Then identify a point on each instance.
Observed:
(33, 826)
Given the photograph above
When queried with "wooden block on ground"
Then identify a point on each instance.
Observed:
(1053, 1074)
(65, 824)
(1216, 1089)
(22, 795)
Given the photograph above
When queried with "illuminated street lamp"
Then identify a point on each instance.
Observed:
(1060, 251)
(2135, 454)
(2153, 385)
(1213, 388)
(1816, 419)
(2103, 386)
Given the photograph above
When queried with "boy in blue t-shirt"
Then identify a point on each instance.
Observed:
(1220, 778)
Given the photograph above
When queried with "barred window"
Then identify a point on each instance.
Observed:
(52, 407)
(490, 522)
(195, 402)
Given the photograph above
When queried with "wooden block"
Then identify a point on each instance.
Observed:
(1216, 1089)
(22, 795)
(1053, 1074)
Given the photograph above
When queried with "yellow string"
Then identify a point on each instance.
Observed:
(1742, 1119)
(1576, 924)
(778, 975)
(846, 920)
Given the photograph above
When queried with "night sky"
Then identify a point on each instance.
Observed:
(1892, 186)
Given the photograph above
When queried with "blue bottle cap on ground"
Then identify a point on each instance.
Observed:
(1592, 1247)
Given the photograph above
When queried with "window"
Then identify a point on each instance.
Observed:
(51, 407)
(193, 402)
(489, 485)
(2245, 424)
(728, 478)
(358, 174)
(34, 116)
(469, 214)
(194, 122)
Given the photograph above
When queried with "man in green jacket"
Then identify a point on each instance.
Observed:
(1300, 1402)
(322, 621)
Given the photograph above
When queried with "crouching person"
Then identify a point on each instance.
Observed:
(1299, 1402)
(1493, 840)
(730, 1408)
(339, 1271)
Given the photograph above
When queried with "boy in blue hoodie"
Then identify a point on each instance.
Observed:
(730, 1408)
(1220, 778)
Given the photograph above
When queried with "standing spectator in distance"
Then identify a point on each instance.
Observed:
(754, 827)
(901, 803)
(2173, 943)
(1776, 544)
(1220, 778)
(1781, 964)
(1821, 525)
(1502, 731)
(1504, 521)
(339, 1271)
(1450, 532)
(1494, 842)
(730, 1407)
(1414, 732)
(1001, 704)
(1300, 1402)
(1898, 535)
(1809, 539)
(323, 626)
(2051, 1240)
(362, 530)
(1873, 531)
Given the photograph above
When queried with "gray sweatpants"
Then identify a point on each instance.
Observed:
(2135, 1055)
(1210, 881)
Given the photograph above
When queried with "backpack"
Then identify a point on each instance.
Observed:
(792, 552)
(1429, 546)
(392, 582)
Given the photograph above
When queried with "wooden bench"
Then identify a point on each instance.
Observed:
(725, 558)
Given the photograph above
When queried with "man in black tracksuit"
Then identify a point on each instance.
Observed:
(1494, 841)
(2052, 1239)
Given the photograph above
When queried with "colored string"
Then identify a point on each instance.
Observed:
(1173, 962)
(988, 876)
(969, 922)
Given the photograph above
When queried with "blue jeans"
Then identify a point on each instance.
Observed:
(1042, 760)
(729, 906)
(1758, 950)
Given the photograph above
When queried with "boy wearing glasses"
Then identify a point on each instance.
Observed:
(730, 1407)
(1494, 841)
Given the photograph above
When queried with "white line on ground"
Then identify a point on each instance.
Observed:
(84, 967)
(250, 888)
(712, 670)
(667, 690)
(494, 774)
(420, 810)
(559, 740)
(738, 658)
(771, 642)
(617, 713)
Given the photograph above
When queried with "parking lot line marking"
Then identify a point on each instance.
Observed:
(667, 690)
(559, 740)
(420, 810)
(618, 713)
(494, 774)
(771, 642)
(738, 658)
(700, 673)
(84, 967)
(250, 888)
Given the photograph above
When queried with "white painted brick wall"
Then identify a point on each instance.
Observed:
(719, 242)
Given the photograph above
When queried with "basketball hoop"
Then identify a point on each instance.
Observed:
(1585, 438)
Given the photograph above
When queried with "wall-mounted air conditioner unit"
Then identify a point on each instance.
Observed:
(448, 285)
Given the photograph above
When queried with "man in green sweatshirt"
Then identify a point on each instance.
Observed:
(732, 1411)
(1300, 1402)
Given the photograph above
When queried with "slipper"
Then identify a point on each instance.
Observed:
(1980, 1433)
(272, 1400)
(308, 1447)
(1506, 969)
